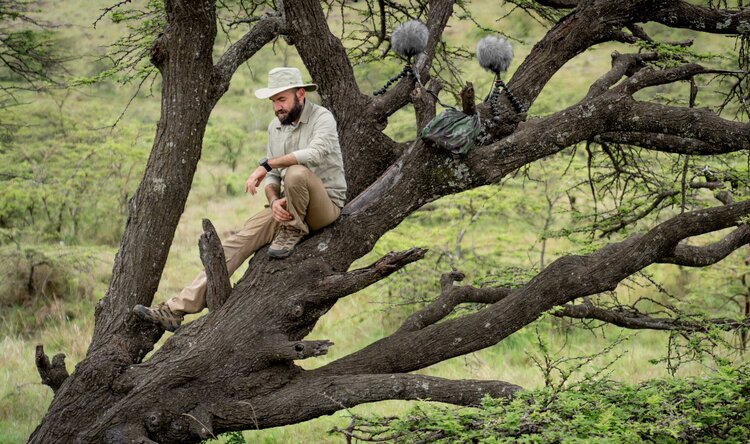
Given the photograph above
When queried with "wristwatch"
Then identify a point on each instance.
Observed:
(264, 163)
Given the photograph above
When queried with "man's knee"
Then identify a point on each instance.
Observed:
(296, 175)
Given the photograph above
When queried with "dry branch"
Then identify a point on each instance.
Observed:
(53, 373)
(626, 317)
(302, 349)
(343, 284)
(218, 286)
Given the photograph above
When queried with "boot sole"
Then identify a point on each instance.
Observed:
(280, 254)
(144, 314)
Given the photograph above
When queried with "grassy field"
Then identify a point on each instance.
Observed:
(503, 243)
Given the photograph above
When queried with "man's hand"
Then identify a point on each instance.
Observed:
(279, 212)
(254, 180)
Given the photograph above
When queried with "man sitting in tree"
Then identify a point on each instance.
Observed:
(303, 153)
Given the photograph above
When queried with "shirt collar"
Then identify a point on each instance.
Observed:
(306, 111)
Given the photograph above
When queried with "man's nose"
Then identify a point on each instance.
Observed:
(277, 106)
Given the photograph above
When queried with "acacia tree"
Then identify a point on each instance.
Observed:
(233, 369)
(28, 58)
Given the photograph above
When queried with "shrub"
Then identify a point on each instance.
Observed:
(709, 410)
(35, 280)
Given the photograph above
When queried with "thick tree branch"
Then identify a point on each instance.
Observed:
(538, 138)
(614, 116)
(666, 143)
(612, 111)
(152, 215)
(212, 256)
(633, 319)
(450, 297)
(324, 56)
(649, 76)
(590, 23)
(185, 62)
(695, 256)
(242, 50)
(313, 397)
(564, 280)
(693, 131)
(682, 14)
(53, 373)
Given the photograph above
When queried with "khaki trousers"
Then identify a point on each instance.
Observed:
(307, 201)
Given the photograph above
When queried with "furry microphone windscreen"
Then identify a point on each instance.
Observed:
(494, 54)
(410, 38)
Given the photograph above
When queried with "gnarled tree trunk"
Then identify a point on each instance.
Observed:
(233, 369)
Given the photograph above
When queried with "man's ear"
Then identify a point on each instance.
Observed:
(300, 94)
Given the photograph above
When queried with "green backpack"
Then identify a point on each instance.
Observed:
(453, 130)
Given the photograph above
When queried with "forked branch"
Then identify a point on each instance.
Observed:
(450, 297)
(53, 373)
(563, 281)
(621, 64)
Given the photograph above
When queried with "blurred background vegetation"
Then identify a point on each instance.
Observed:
(73, 146)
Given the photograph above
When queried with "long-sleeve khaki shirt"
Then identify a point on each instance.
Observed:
(315, 143)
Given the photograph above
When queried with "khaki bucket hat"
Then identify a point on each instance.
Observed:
(281, 79)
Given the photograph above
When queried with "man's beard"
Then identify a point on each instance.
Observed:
(293, 113)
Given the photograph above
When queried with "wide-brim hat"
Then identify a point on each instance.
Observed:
(282, 79)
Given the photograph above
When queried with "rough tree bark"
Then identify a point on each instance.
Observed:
(233, 368)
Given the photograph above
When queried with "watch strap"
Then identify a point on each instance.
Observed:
(264, 163)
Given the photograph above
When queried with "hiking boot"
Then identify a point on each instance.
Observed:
(283, 245)
(160, 315)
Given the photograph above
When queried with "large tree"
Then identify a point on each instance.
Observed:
(233, 369)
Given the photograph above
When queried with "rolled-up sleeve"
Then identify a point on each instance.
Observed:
(273, 177)
(322, 143)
